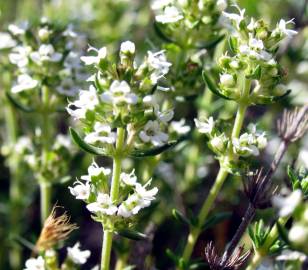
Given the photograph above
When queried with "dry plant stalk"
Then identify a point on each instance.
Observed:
(55, 229)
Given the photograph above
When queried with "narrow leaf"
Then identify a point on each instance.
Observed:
(180, 217)
(154, 151)
(215, 219)
(133, 235)
(212, 86)
(18, 104)
(84, 146)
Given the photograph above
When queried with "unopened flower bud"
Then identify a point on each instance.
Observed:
(227, 80)
(280, 89)
(221, 5)
(127, 47)
(218, 143)
(43, 34)
(298, 234)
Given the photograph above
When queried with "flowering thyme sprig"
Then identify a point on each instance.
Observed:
(121, 114)
(253, 47)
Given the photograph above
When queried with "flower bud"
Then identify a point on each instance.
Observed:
(221, 5)
(43, 34)
(218, 143)
(227, 80)
(127, 48)
(280, 89)
(298, 234)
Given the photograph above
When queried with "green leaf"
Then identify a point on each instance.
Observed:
(84, 146)
(256, 74)
(211, 44)
(215, 219)
(18, 104)
(294, 179)
(283, 233)
(180, 217)
(133, 235)
(212, 86)
(232, 41)
(154, 151)
(161, 34)
(262, 100)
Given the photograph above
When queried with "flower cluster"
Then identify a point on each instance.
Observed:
(93, 188)
(246, 145)
(254, 46)
(196, 19)
(46, 55)
(75, 257)
(123, 95)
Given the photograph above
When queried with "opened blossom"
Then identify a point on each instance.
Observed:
(119, 94)
(206, 126)
(102, 205)
(94, 60)
(88, 99)
(170, 15)
(152, 134)
(77, 255)
(102, 133)
(94, 170)
(45, 53)
(35, 264)
(80, 190)
(24, 82)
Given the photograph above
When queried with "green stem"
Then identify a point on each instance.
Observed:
(114, 195)
(45, 185)
(45, 190)
(121, 262)
(15, 184)
(264, 249)
(220, 179)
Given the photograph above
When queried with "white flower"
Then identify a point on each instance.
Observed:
(46, 53)
(158, 64)
(170, 15)
(140, 199)
(160, 4)
(179, 127)
(80, 191)
(102, 133)
(287, 205)
(152, 133)
(127, 47)
(282, 28)
(119, 93)
(221, 5)
(205, 127)
(90, 60)
(165, 116)
(227, 80)
(94, 170)
(102, 205)
(87, 101)
(6, 41)
(256, 43)
(262, 141)
(23, 144)
(24, 82)
(77, 255)
(19, 56)
(63, 140)
(35, 264)
(290, 255)
(18, 29)
(236, 18)
(129, 179)
(148, 195)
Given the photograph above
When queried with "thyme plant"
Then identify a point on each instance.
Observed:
(121, 117)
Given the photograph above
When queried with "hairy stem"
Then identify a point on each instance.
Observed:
(114, 194)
